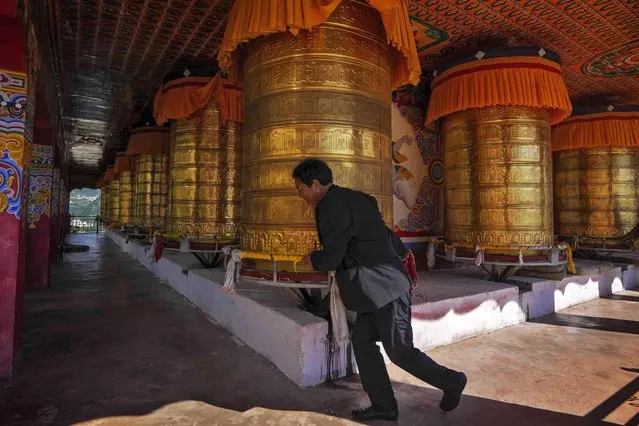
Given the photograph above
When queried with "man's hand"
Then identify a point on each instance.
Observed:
(307, 258)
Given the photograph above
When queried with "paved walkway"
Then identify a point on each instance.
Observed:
(108, 340)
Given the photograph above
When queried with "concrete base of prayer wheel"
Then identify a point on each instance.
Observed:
(596, 196)
(282, 275)
(197, 243)
(324, 93)
(498, 183)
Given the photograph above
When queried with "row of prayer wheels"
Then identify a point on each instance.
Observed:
(325, 92)
(596, 176)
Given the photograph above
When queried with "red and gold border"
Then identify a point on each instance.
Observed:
(148, 140)
(595, 130)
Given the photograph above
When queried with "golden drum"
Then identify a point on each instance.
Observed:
(104, 200)
(323, 93)
(596, 191)
(151, 190)
(114, 202)
(498, 179)
(204, 177)
(126, 197)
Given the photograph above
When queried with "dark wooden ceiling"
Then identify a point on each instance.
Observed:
(111, 55)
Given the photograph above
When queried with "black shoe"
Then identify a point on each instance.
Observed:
(451, 397)
(374, 413)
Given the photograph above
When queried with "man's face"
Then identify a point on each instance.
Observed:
(310, 194)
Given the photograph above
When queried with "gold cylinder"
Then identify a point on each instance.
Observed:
(596, 191)
(104, 196)
(323, 93)
(151, 190)
(126, 197)
(498, 179)
(204, 177)
(114, 202)
(106, 199)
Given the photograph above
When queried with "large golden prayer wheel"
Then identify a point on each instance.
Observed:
(596, 176)
(106, 196)
(149, 145)
(498, 178)
(204, 176)
(114, 202)
(495, 116)
(323, 93)
(124, 169)
(126, 197)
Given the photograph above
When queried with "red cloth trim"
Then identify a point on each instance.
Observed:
(401, 233)
(493, 67)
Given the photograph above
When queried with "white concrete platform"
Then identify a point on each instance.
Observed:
(449, 306)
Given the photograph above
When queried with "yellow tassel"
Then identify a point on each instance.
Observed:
(570, 265)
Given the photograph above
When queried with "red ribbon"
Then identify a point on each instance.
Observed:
(159, 245)
(411, 268)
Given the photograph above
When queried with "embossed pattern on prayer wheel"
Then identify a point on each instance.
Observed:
(204, 177)
(498, 178)
(596, 191)
(105, 200)
(324, 93)
(151, 190)
(126, 197)
(114, 202)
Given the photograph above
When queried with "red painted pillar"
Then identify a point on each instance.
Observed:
(39, 209)
(14, 159)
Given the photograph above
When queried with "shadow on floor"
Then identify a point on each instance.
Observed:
(108, 339)
(624, 297)
(593, 323)
(615, 401)
(417, 406)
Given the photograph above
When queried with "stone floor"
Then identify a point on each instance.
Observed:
(108, 341)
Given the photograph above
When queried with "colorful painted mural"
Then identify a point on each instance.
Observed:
(40, 183)
(13, 152)
(417, 171)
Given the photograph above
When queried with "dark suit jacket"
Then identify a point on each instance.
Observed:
(358, 245)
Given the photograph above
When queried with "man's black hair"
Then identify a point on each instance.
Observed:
(311, 169)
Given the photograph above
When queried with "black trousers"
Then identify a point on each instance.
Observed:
(391, 324)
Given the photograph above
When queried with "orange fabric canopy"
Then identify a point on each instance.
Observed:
(148, 140)
(511, 81)
(182, 97)
(123, 163)
(594, 130)
(250, 19)
(108, 174)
